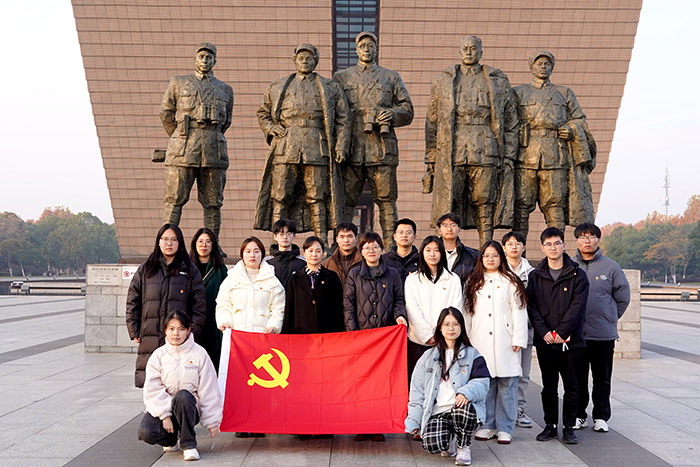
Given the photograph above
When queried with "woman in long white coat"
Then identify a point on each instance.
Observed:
(495, 302)
(251, 298)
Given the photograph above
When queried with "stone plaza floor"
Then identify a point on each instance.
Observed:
(62, 406)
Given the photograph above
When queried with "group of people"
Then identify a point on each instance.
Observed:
(472, 317)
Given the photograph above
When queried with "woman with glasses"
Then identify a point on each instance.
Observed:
(167, 281)
(206, 255)
(429, 290)
(373, 295)
(495, 301)
(448, 389)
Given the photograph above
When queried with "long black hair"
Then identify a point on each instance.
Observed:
(423, 267)
(462, 339)
(215, 258)
(475, 281)
(152, 264)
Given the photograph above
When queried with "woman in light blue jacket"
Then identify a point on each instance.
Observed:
(448, 391)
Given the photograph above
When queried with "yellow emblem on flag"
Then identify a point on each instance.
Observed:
(279, 378)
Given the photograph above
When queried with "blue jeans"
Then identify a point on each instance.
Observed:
(502, 404)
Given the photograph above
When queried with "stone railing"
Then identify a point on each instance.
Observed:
(105, 310)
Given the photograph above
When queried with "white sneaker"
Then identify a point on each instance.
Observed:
(504, 438)
(600, 426)
(485, 434)
(464, 456)
(170, 448)
(523, 421)
(580, 423)
(451, 449)
(191, 454)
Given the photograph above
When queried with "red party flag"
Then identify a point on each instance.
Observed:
(335, 383)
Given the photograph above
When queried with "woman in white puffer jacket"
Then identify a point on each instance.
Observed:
(251, 298)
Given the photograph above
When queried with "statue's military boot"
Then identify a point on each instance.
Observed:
(318, 221)
(555, 218)
(277, 211)
(485, 224)
(387, 219)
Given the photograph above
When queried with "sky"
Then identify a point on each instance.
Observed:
(50, 154)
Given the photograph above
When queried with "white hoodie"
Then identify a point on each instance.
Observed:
(172, 368)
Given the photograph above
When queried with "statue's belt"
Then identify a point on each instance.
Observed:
(472, 120)
(544, 133)
(303, 122)
(204, 125)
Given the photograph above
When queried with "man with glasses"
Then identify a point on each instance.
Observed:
(285, 255)
(609, 294)
(557, 292)
(403, 256)
(460, 258)
(514, 247)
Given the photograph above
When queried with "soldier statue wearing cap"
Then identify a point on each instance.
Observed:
(304, 117)
(557, 152)
(196, 112)
(379, 102)
(471, 142)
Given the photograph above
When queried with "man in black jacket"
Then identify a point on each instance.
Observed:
(557, 292)
(285, 255)
(460, 258)
(403, 256)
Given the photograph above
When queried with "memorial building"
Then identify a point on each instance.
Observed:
(132, 48)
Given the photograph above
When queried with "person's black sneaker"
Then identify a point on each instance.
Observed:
(549, 432)
(569, 436)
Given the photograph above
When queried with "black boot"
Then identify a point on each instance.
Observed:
(549, 432)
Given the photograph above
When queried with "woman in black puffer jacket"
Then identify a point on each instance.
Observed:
(167, 281)
(373, 296)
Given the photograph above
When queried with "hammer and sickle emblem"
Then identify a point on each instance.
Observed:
(278, 378)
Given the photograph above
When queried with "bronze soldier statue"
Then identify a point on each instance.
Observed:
(471, 137)
(304, 117)
(557, 152)
(196, 112)
(379, 102)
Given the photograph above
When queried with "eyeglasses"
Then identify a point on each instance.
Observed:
(587, 238)
(168, 240)
(450, 326)
(404, 232)
(492, 256)
(373, 247)
(203, 242)
(449, 226)
(513, 244)
(285, 234)
(556, 244)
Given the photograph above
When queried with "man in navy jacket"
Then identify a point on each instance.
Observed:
(557, 292)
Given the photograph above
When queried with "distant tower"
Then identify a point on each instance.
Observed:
(667, 187)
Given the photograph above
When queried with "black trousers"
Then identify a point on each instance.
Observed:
(554, 362)
(414, 353)
(598, 355)
(185, 416)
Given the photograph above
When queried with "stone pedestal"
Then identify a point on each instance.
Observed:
(105, 308)
(630, 326)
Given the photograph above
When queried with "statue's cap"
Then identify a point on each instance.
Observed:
(206, 46)
(541, 53)
(307, 47)
(366, 34)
